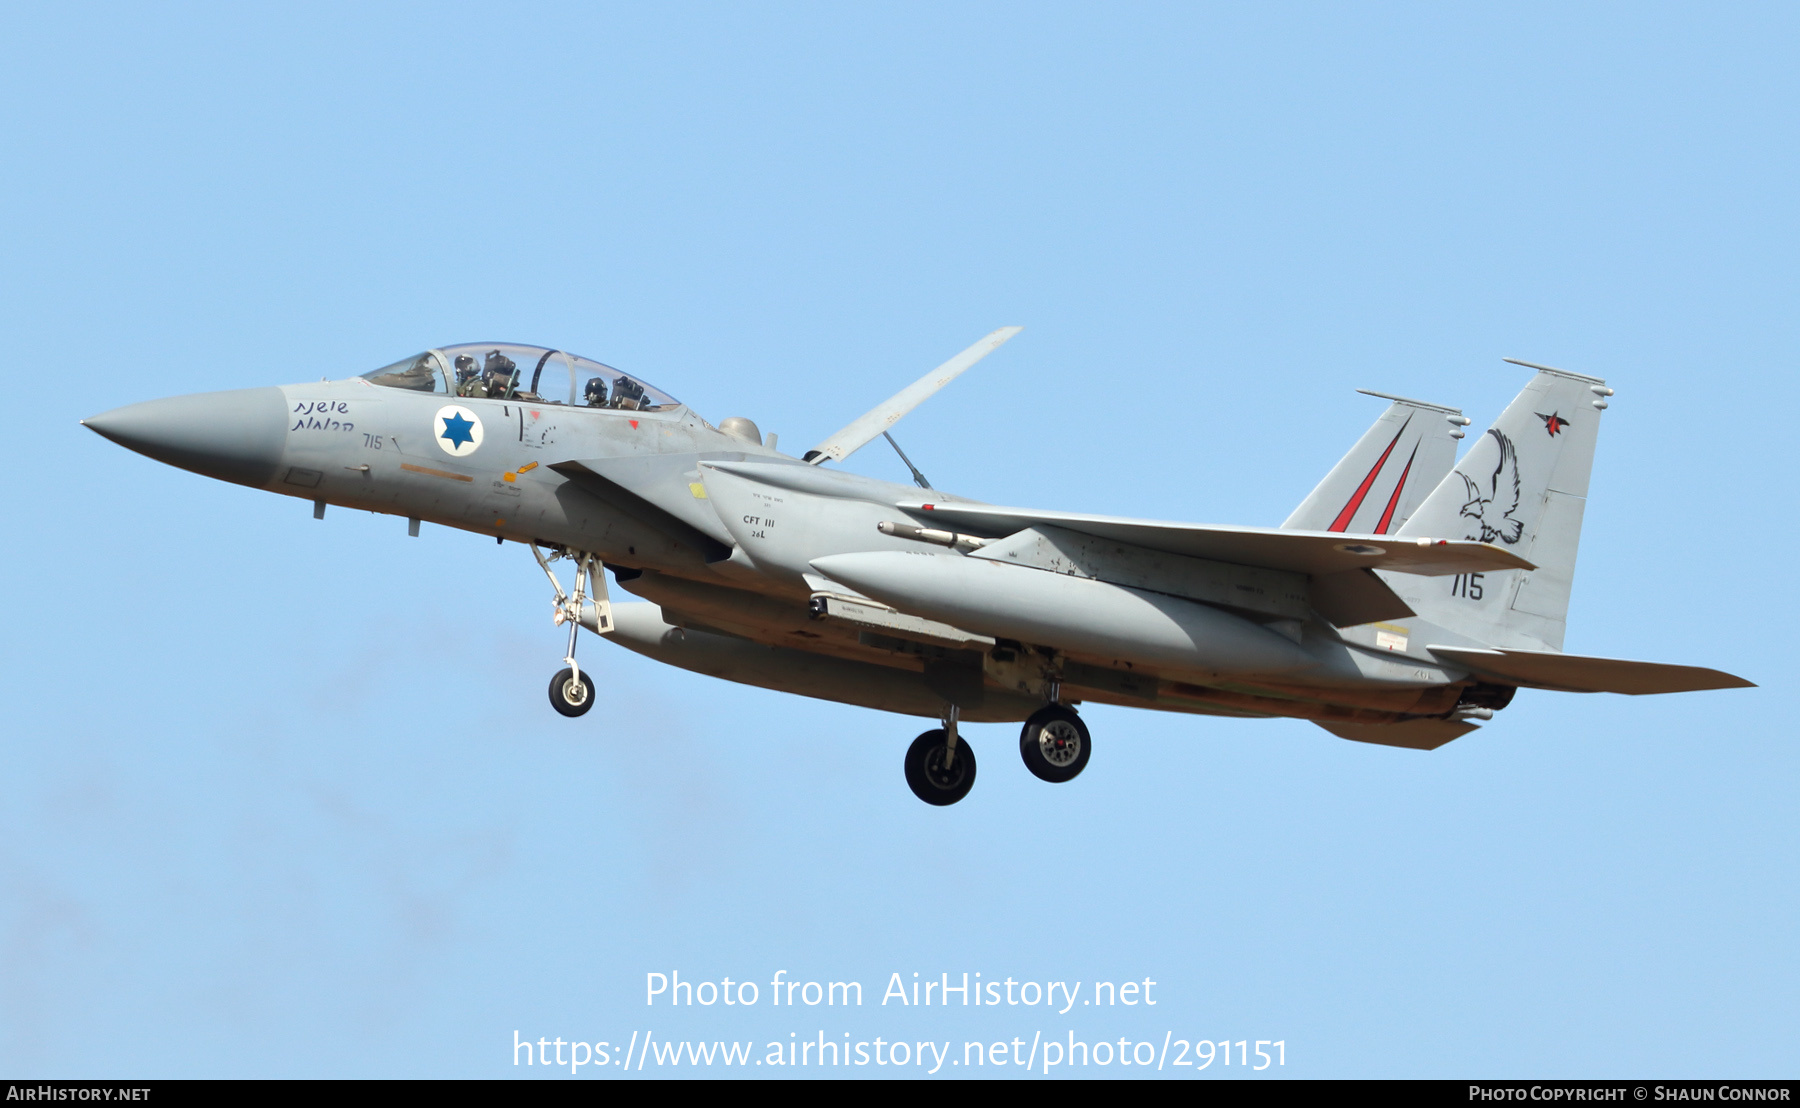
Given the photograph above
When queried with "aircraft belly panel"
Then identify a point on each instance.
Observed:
(775, 616)
(641, 628)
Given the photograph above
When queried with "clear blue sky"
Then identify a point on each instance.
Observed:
(285, 798)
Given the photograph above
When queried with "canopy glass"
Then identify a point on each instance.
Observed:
(512, 371)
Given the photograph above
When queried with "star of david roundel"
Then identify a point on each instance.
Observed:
(457, 429)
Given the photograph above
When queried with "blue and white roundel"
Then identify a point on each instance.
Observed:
(458, 430)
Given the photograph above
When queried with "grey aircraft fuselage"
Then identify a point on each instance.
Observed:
(744, 569)
(763, 568)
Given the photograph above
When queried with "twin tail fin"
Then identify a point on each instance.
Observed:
(1523, 487)
(1376, 487)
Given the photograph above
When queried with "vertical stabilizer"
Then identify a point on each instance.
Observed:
(1387, 474)
(1522, 486)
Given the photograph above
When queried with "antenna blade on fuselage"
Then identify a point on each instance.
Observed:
(869, 426)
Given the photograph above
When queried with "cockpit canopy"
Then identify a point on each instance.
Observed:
(533, 374)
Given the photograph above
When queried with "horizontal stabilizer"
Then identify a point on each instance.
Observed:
(883, 416)
(1418, 734)
(1548, 669)
(1311, 552)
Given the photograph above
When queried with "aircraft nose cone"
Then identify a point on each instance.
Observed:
(233, 436)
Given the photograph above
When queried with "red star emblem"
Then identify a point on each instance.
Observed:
(1553, 422)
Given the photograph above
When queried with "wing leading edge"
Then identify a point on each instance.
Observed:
(1318, 553)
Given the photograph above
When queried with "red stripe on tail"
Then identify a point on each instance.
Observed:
(1387, 516)
(1343, 518)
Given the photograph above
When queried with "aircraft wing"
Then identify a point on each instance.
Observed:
(884, 415)
(1549, 669)
(1318, 553)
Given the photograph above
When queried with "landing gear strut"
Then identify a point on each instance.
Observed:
(572, 691)
(940, 769)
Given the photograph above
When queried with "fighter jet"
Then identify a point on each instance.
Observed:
(1408, 597)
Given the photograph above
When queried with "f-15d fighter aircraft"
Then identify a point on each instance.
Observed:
(1401, 602)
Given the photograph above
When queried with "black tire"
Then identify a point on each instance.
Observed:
(925, 773)
(568, 698)
(1055, 744)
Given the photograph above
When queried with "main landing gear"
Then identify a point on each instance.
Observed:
(1054, 744)
(572, 691)
(940, 769)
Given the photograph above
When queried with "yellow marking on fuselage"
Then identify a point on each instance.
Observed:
(435, 472)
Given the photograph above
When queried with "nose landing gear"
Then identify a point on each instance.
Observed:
(572, 691)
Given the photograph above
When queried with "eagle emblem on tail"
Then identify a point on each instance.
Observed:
(1492, 508)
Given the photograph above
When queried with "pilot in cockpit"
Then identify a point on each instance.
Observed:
(499, 374)
(594, 394)
(468, 377)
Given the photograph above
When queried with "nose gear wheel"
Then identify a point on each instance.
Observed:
(571, 693)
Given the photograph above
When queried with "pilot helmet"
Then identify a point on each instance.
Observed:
(465, 367)
(595, 392)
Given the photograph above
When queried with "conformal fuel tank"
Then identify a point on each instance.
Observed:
(1075, 614)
